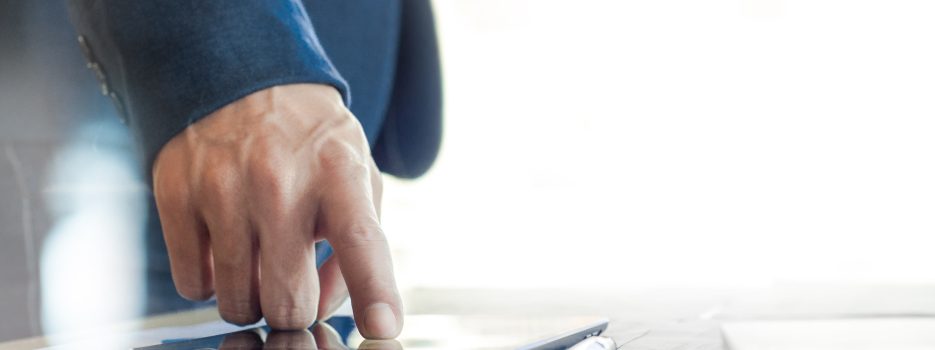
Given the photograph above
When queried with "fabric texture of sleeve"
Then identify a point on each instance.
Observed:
(411, 133)
(168, 63)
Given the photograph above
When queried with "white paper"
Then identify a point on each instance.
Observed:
(849, 334)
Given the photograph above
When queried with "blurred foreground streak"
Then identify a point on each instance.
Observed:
(73, 208)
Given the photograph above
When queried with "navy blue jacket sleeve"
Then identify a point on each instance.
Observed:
(168, 63)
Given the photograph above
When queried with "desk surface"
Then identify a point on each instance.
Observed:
(682, 334)
(680, 319)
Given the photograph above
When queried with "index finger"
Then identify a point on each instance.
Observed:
(353, 229)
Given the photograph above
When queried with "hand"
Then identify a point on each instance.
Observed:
(244, 194)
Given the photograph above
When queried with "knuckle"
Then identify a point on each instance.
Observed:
(361, 235)
(273, 187)
(290, 317)
(213, 191)
(341, 158)
(218, 180)
(270, 175)
(231, 264)
(262, 170)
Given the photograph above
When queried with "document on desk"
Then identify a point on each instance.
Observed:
(833, 334)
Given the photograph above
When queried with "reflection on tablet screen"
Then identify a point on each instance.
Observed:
(420, 332)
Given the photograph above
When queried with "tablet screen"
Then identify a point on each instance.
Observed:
(420, 332)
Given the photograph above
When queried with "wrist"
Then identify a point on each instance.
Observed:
(283, 111)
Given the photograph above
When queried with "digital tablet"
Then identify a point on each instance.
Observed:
(420, 332)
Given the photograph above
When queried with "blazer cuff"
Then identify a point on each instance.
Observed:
(167, 64)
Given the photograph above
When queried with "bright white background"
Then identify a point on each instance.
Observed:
(625, 144)
(715, 143)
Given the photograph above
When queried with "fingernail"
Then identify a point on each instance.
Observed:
(381, 322)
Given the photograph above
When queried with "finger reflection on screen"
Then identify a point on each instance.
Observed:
(253, 339)
(290, 340)
(248, 339)
(327, 337)
(389, 344)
